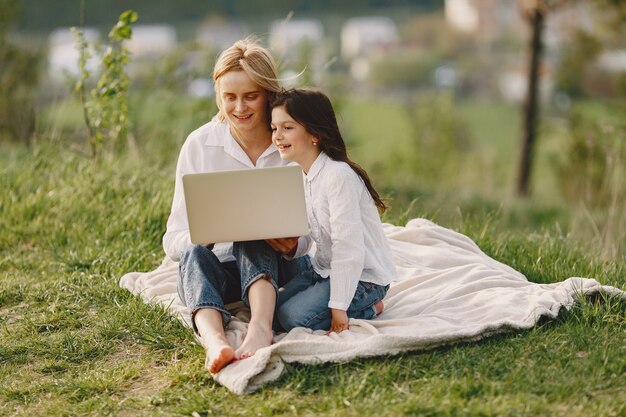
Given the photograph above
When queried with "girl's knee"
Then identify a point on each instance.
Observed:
(287, 319)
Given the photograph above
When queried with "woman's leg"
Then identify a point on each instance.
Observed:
(262, 299)
(202, 285)
(258, 265)
(211, 328)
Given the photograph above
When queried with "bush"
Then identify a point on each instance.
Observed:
(404, 69)
(19, 76)
(592, 170)
(440, 141)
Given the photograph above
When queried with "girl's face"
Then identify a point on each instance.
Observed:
(243, 101)
(292, 140)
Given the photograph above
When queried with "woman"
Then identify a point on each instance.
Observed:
(239, 137)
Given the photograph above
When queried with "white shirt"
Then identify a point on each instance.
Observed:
(209, 148)
(345, 225)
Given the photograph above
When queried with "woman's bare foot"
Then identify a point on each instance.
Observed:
(219, 353)
(379, 307)
(257, 337)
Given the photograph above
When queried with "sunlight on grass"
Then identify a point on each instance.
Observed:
(75, 343)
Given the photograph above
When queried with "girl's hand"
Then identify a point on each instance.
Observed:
(284, 245)
(339, 321)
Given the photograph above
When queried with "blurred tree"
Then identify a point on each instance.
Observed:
(588, 47)
(19, 76)
(534, 12)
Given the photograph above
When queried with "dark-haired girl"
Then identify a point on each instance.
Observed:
(352, 265)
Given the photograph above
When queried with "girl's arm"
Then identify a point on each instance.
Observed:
(344, 193)
(339, 321)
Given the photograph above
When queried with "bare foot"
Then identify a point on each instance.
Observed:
(257, 337)
(219, 353)
(379, 307)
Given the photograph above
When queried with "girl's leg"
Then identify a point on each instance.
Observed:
(367, 301)
(202, 285)
(306, 303)
(309, 307)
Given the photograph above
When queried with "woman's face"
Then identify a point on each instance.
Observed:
(292, 140)
(244, 103)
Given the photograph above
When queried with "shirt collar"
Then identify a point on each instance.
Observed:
(231, 147)
(223, 138)
(317, 166)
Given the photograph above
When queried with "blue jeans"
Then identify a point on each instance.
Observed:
(205, 282)
(303, 302)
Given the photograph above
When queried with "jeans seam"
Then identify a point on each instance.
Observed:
(308, 322)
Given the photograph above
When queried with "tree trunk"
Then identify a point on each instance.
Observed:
(531, 104)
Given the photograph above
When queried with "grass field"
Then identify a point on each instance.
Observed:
(73, 343)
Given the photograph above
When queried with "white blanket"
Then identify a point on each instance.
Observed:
(448, 291)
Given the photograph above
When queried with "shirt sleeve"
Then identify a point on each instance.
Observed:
(347, 237)
(177, 237)
(304, 245)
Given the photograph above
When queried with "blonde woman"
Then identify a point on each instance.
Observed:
(238, 137)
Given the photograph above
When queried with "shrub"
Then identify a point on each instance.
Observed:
(439, 141)
(592, 169)
(106, 113)
(403, 69)
(19, 76)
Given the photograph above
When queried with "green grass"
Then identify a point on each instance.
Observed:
(73, 343)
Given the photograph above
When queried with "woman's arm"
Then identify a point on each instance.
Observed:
(177, 237)
(292, 247)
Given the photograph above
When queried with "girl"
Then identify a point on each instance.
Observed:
(352, 266)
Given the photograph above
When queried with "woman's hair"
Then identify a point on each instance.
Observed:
(256, 61)
(313, 110)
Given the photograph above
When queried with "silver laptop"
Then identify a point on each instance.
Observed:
(248, 204)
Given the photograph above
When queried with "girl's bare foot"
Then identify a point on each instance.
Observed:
(257, 337)
(379, 307)
(219, 353)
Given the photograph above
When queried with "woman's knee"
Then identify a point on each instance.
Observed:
(192, 252)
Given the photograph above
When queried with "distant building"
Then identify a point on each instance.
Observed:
(513, 83)
(613, 61)
(63, 54)
(220, 34)
(287, 35)
(151, 41)
(462, 15)
(484, 18)
(360, 35)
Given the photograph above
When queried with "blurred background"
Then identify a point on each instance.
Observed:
(450, 106)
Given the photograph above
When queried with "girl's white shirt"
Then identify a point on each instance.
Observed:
(346, 228)
(209, 148)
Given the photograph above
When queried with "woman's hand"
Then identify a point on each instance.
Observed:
(284, 245)
(339, 321)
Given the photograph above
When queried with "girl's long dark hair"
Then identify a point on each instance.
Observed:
(313, 110)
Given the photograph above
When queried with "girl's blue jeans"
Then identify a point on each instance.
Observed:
(205, 282)
(303, 301)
